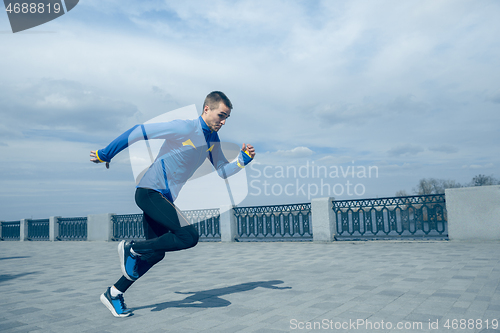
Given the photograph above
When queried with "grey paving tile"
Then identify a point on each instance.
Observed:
(494, 308)
(25, 311)
(217, 287)
(4, 327)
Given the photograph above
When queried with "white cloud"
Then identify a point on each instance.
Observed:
(406, 149)
(478, 166)
(494, 97)
(447, 149)
(367, 81)
(335, 160)
(51, 104)
(296, 152)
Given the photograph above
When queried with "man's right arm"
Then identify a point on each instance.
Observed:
(116, 146)
(136, 133)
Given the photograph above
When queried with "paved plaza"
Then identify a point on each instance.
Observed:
(374, 286)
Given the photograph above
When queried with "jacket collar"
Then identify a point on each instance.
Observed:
(206, 130)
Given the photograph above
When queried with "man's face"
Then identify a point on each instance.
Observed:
(215, 118)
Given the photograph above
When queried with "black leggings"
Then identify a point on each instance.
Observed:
(163, 231)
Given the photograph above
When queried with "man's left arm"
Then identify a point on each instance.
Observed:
(226, 169)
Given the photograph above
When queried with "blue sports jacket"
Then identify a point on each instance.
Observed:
(187, 144)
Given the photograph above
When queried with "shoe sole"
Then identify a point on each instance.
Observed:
(110, 307)
(121, 254)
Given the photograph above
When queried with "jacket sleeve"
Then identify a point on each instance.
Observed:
(223, 167)
(172, 129)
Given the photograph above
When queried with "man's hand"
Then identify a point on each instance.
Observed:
(249, 149)
(95, 159)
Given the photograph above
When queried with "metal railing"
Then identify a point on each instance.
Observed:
(418, 216)
(206, 222)
(38, 230)
(397, 217)
(278, 222)
(11, 230)
(128, 227)
(72, 228)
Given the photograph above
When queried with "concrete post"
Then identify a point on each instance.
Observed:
(228, 225)
(473, 213)
(53, 228)
(100, 227)
(323, 220)
(23, 230)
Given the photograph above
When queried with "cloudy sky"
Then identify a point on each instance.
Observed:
(404, 89)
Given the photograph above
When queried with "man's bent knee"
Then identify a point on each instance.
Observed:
(187, 237)
(195, 236)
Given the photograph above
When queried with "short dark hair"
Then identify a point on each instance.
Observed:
(215, 98)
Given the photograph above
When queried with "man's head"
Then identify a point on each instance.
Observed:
(216, 109)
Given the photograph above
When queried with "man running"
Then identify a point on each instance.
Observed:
(187, 144)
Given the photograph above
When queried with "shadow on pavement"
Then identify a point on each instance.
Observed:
(7, 277)
(212, 298)
(21, 257)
